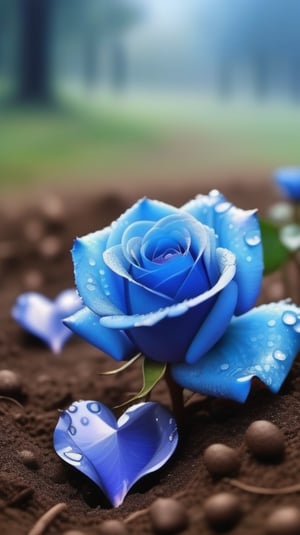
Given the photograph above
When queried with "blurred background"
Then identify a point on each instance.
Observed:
(147, 91)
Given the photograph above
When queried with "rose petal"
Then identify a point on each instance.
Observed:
(116, 343)
(143, 210)
(288, 180)
(138, 297)
(115, 454)
(43, 317)
(237, 230)
(100, 290)
(262, 343)
(226, 261)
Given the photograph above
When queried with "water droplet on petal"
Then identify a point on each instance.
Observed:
(172, 436)
(91, 287)
(94, 407)
(224, 366)
(279, 355)
(84, 420)
(72, 430)
(73, 456)
(101, 272)
(73, 408)
(297, 327)
(252, 238)
(92, 262)
(271, 323)
(222, 207)
(289, 318)
(249, 258)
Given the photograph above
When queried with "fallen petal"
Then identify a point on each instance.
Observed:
(115, 453)
(43, 318)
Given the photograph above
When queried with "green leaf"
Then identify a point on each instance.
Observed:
(152, 374)
(123, 367)
(275, 253)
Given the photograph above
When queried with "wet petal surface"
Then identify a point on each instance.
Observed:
(115, 453)
(262, 343)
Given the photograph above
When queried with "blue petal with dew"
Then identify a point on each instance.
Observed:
(115, 454)
(262, 343)
(99, 288)
(114, 342)
(239, 231)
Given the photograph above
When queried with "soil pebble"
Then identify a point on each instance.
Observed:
(168, 515)
(222, 511)
(265, 440)
(113, 527)
(10, 383)
(285, 520)
(221, 460)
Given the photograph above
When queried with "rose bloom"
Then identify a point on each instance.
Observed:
(288, 181)
(166, 281)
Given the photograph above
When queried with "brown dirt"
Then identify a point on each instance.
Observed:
(35, 240)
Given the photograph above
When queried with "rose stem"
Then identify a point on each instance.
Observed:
(45, 520)
(176, 395)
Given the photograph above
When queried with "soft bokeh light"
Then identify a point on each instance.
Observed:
(147, 91)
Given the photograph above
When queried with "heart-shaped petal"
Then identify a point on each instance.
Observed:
(262, 343)
(115, 453)
(43, 317)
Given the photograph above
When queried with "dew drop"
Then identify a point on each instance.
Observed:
(271, 323)
(73, 456)
(279, 355)
(101, 272)
(252, 238)
(224, 366)
(94, 407)
(289, 318)
(92, 262)
(249, 258)
(73, 408)
(172, 436)
(297, 327)
(72, 430)
(84, 420)
(91, 287)
(222, 207)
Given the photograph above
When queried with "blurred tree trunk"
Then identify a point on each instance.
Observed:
(34, 66)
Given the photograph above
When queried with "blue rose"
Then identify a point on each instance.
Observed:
(288, 181)
(178, 285)
(166, 281)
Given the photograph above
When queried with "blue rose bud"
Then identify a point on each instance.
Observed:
(288, 181)
(166, 281)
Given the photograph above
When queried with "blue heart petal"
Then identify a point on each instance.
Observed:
(115, 454)
(262, 343)
(43, 317)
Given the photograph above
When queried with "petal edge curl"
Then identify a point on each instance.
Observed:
(115, 343)
(262, 343)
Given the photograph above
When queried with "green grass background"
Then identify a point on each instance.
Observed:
(108, 138)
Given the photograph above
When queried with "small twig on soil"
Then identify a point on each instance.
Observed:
(46, 519)
(22, 496)
(271, 491)
(135, 515)
(12, 400)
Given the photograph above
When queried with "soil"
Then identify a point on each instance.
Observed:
(35, 242)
